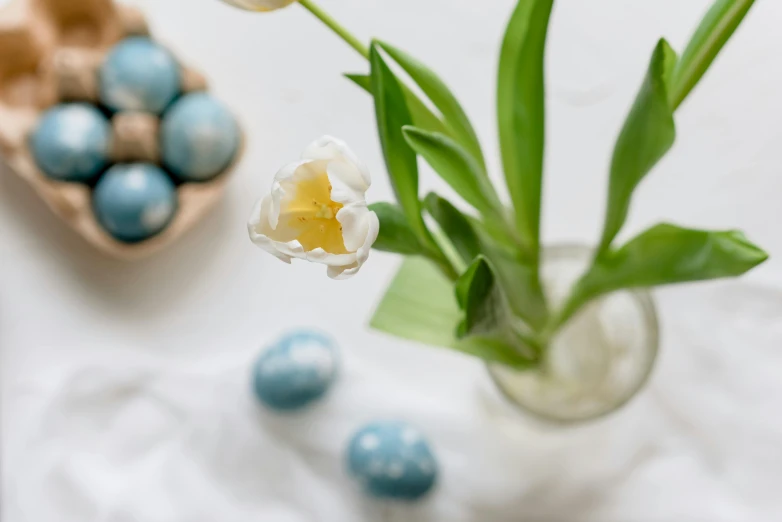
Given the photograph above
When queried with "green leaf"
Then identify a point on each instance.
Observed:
(525, 295)
(420, 305)
(422, 115)
(442, 98)
(395, 233)
(715, 29)
(648, 133)
(521, 114)
(668, 254)
(455, 165)
(392, 114)
(486, 313)
(362, 80)
(649, 130)
(454, 225)
(477, 297)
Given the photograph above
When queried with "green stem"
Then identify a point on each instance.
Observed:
(573, 304)
(445, 266)
(450, 254)
(335, 26)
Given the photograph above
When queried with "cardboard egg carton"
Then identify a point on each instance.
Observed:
(50, 51)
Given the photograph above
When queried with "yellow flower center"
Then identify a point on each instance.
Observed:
(313, 215)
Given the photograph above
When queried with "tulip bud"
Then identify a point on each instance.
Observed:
(259, 5)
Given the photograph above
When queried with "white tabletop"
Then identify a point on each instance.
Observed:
(124, 385)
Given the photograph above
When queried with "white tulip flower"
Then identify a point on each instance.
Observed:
(317, 210)
(259, 5)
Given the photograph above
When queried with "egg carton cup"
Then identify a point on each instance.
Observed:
(50, 51)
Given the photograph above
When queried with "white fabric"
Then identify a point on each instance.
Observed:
(125, 385)
(125, 442)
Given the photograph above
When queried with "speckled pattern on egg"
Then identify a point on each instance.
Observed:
(139, 75)
(199, 137)
(134, 201)
(297, 370)
(392, 460)
(71, 142)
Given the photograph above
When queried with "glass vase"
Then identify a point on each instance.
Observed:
(598, 361)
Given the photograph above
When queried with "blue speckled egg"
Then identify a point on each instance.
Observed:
(71, 142)
(297, 370)
(139, 75)
(392, 460)
(199, 137)
(135, 201)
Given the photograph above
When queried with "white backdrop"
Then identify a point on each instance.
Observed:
(124, 386)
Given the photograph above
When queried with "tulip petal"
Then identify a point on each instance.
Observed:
(347, 183)
(280, 188)
(342, 272)
(362, 254)
(258, 226)
(373, 229)
(354, 225)
(333, 149)
(321, 256)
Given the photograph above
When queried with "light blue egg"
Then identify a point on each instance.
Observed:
(199, 137)
(296, 371)
(392, 460)
(71, 142)
(139, 75)
(134, 202)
